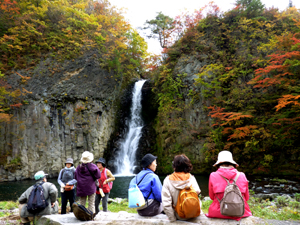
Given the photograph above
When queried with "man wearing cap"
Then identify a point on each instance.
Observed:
(65, 178)
(150, 186)
(217, 184)
(50, 194)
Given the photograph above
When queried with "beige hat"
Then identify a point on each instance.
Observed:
(87, 157)
(225, 156)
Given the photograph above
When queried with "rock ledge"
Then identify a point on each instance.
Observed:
(126, 218)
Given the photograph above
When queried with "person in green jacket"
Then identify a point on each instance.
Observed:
(50, 194)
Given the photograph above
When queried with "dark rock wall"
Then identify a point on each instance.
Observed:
(71, 107)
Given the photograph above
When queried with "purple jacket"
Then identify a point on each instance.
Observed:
(85, 182)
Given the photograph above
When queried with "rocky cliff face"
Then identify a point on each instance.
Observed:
(195, 123)
(71, 108)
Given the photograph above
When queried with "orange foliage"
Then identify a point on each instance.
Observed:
(287, 100)
(241, 132)
(4, 117)
(10, 7)
(225, 118)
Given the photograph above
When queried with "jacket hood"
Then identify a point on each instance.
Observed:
(71, 168)
(180, 180)
(82, 168)
(228, 173)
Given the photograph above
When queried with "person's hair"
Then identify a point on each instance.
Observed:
(42, 178)
(182, 163)
(103, 164)
(226, 164)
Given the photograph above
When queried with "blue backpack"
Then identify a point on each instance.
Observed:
(135, 196)
(36, 202)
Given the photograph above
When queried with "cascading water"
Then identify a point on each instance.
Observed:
(126, 160)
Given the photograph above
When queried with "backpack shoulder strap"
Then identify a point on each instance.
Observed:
(137, 183)
(225, 187)
(62, 173)
(105, 173)
(224, 178)
(151, 188)
(236, 177)
(90, 172)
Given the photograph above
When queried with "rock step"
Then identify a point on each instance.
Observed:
(126, 218)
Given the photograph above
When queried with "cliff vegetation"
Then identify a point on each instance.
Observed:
(230, 81)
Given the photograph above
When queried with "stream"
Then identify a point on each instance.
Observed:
(260, 185)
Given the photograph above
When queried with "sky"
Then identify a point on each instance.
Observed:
(138, 11)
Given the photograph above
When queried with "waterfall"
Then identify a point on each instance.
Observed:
(126, 160)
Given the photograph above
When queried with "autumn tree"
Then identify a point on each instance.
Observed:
(161, 28)
(251, 8)
(8, 12)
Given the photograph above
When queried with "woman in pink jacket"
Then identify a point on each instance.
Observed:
(226, 168)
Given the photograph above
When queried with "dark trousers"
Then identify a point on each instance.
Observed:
(104, 202)
(65, 196)
(153, 209)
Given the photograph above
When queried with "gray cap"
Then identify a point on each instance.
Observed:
(69, 160)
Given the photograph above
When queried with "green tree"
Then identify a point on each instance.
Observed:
(161, 28)
(251, 8)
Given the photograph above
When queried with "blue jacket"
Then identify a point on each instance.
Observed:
(150, 183)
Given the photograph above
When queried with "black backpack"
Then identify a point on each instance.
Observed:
(36, 202)
(82, 213)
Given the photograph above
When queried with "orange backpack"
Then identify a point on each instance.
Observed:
(188, 204)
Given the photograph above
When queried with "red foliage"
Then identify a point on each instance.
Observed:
(17, 105)
(225, 118)
(278, 71)
(9, 7)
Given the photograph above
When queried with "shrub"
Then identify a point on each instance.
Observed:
(295, 205)
(297, 197)
(282, 201)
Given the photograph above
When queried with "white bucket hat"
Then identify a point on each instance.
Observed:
(87, 157)
(225, 156)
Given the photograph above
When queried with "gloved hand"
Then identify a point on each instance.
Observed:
(62, 185)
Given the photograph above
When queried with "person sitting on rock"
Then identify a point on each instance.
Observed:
(86, 175)
(66, 178)
(174, 183)
(217, 184)
(50, 194)
(104, 184)
(150, 186)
